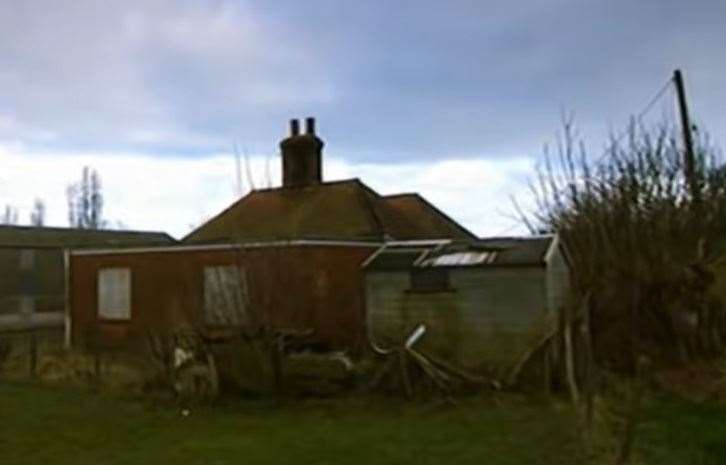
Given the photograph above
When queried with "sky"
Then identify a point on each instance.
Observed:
(454, 100)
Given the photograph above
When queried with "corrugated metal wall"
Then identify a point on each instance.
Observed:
(487, 322)
(318, 287)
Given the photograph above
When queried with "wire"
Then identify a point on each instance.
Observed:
(655, 98)
(638, 118)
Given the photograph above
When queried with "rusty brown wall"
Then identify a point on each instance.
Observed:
(318, 287)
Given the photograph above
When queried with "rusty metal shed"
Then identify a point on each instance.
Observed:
(300, 284)
(32, 290)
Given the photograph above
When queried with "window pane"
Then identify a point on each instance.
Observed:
(114, 293)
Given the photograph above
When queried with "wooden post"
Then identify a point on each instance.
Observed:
(547, 368)
(570, 363)
(33, 354)
(689, 161)
(405, 375)
(276, 361)
(589, 373)
(97, 365)
(67, 299)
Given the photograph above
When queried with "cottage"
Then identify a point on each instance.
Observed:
(291, 253)
(484, 303)
(33, 285)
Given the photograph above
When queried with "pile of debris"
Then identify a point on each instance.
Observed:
(412, 371)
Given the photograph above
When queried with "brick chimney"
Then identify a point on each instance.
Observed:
(302, 156)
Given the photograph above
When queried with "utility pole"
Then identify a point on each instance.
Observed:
(689, 161)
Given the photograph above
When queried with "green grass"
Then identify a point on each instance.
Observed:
(61, 425)
(41, 425)
(681, 432)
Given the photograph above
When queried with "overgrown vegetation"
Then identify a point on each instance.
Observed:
(642, 239)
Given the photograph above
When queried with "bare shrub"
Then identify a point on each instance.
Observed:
(640, 241)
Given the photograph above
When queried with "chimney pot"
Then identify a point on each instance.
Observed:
(309, 125)
(302, 156)
(294, 127)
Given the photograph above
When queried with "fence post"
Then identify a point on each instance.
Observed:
(33, 354)
(276, 361)
(97, 366)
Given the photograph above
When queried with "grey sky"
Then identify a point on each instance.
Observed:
(389, 81)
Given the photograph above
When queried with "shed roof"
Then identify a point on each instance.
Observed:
(33, 236)
(495, 251)
(340, 210)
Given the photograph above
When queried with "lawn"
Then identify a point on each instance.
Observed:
(54, 425)
(43, 425)
(680, 432)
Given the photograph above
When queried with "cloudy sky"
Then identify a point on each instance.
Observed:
(452, 99)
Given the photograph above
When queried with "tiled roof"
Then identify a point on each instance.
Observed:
(342, 210)
(424, 216)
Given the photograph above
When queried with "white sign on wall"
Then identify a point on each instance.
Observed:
(114, 293)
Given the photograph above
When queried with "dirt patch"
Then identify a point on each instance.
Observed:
(697, 382)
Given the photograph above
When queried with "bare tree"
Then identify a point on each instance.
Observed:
(245, 161)
(37, 215)
(10, 215)
(85, 201)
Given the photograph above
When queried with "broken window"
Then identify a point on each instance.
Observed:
(114, 293)
(429, 280)
(225, 295)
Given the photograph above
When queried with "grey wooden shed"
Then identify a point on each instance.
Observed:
(485, 303)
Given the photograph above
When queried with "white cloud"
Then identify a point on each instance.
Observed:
(173, 194)
(475, 192)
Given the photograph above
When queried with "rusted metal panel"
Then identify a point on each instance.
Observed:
(317, 287)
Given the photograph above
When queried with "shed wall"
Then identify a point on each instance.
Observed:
(487, 322)
(32, 288)
(316, 287)
(558, 279)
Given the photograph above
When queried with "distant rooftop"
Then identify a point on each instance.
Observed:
(34, 236)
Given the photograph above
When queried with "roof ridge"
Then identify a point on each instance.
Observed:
(439, 212)
(326, 183)
(532, 237)
(218, 215)
(364, 196)
(402, 194)
(78, 230)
